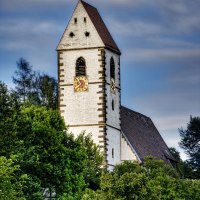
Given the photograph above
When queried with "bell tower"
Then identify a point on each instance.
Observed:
(89, 81)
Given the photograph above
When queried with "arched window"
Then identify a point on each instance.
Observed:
(112, 68)
(80, 67)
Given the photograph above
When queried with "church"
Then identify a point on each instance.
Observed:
(90, 92)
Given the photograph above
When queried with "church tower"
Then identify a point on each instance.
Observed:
(89, 81)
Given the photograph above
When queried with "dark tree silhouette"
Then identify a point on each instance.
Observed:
(190, 142)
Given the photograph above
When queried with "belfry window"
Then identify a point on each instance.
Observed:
(80, 67)
(75, 20)
(112, 68)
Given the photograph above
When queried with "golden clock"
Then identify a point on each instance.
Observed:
(80, 83)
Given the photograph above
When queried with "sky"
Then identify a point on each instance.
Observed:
(159, 41)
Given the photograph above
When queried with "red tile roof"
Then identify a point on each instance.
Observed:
(143, 136)
(100, 27)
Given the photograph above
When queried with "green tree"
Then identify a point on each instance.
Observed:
(55, 162)
(190, 142)
(94, 161)
(151, 180)
(182, 167)
(23, 79)
(10, 186)
(48, 93)
(9, 101)
(8, 105)
(50, 156)
(34, 88)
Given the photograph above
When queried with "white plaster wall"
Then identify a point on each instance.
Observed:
(126, 151)
(69, 59)
(116, 58)
(113, 137)
(79, 29)
(94, 130)
(113, 116)
(81, 107)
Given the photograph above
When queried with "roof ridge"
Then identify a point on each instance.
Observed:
(87, 4)
(100, 26)
(135, 112)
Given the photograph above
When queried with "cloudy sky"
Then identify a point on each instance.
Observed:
(159, 41)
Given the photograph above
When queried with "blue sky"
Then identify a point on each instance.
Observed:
(159, 41)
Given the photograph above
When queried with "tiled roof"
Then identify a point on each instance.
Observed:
(143, 136)
(100, 27)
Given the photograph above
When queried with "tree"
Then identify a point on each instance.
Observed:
(94, 160)
(151, 180)
(47, 86)
(54, 161)
(8, 105)
(10, 186)
(8, 101)
(23, 80)
(50, 156)
(183, 168)
(190, 142)
(34, 88)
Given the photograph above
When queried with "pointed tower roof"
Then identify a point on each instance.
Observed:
(100, 26)
(101, 37)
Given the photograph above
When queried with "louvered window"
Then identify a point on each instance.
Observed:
(112, 68)
(80, 67)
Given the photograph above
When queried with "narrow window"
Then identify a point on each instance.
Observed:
(85, 19)
(113, 107)
(75, 20)
(112, 68)
(113, 153)
(80, 67)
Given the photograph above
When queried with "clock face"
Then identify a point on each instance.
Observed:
(112, 85)
(80, 83)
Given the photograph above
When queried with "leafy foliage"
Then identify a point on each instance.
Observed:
(8, 105)
(182, 167)
(10, 186)
(152, 180)
(51, 157)
(23, 79)
(94, 161)
(190, 142)
(34, 88)
(48, 90)
(52, 161)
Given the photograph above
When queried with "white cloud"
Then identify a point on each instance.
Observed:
(121, 3)
(27, 34)
(23, 4)
(189, 75)
(160, 54)
(170, 123)
(134, 28)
